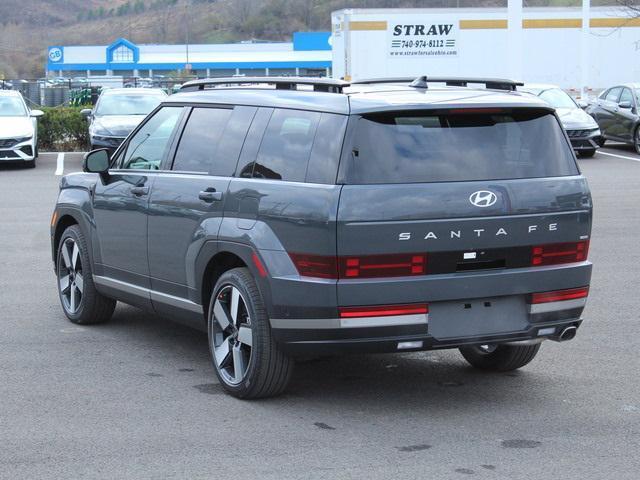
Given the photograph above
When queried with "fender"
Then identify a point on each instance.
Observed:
(245, 252)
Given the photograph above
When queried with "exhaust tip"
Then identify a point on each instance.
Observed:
(568, 334)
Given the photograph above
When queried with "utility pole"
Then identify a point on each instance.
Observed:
(515, 44)
(584, 49)
(187, 66)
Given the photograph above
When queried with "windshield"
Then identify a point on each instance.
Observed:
(127, 104)
(412, 147)
(558, 98)
(12, 107)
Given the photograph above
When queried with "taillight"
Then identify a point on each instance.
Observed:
(559, 295)
(362, 266)
(557, 253)
(371, 266)
(319, 266)
(383, 310)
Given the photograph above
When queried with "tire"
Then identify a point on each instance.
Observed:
(501, 358)
(81, 302)
(636, 140)
(245, 356)
(587, 153)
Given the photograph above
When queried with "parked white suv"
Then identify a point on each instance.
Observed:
(18, 129)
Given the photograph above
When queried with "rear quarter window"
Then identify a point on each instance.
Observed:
(418, 147)
(293, 145)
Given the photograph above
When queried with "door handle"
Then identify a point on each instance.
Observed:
(139, 191)
(210, 195)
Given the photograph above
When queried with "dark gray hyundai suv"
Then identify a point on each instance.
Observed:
(293, 216)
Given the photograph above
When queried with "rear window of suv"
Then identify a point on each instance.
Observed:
(417, 147)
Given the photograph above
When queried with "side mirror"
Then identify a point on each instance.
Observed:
(37, 113)
(96, 161)
(625, 104)
(86, 112)
(583, 104)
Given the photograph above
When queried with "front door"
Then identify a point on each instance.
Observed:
(120, 205)
(187, 202)
(625, 116)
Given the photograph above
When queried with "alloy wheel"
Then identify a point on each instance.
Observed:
(70, 276)
(231, 336)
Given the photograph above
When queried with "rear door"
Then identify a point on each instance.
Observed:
(449, 191)
(188, 197)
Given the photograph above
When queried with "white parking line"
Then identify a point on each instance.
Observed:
(60, 164)
(618, 156)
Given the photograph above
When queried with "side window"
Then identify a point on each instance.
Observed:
(613, 94)
(626, 96)
(325, 156)
(149, 145)
(252, 143)
(198, 147)
(286, 146)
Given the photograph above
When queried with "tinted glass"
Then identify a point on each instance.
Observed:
(12, 107)
(252, 143)
(626, 96)
(128, 104)
(612, 95)
(148, 146)
(325, 155)
(286, 145)
(424, 147)
(198, 147)
(558, 98)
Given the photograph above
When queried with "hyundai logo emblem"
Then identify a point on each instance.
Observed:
(483, 198)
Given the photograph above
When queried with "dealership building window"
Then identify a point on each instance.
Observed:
(122, 54)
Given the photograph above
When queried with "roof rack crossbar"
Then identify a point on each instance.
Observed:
(491, 83)
(281, 83)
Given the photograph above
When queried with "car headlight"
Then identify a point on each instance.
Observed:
(23, 139)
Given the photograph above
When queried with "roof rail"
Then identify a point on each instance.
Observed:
(370, 81)
(492, 83)
(282, 83)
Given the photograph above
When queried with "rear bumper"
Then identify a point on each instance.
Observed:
(401, 338)
(301, 328)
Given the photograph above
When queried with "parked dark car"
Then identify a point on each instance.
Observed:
(616, 111)
(582, 129)
(117, 112)
(293, 216)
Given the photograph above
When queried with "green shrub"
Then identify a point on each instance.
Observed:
(63, 129)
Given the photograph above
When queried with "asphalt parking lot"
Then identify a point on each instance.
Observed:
(138, 397)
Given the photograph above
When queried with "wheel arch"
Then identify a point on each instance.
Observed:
(217, 258)
(66, 217)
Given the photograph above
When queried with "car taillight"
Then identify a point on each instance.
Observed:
(319, 266)
(383, 310)
(557, 253)
(362, 266)
(372, 266)
(559, 295)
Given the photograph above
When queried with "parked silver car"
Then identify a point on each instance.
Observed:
(117, 112)
(18, 129)
(582, 129)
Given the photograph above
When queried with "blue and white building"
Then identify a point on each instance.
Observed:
(308, 54)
